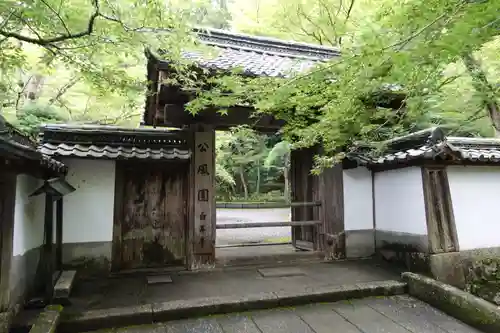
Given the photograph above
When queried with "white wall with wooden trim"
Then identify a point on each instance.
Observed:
(27, 237)
(358, 212)
(88, 211)
(475, 195)
(400, 208)
(28, 215)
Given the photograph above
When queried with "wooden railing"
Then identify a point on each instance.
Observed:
(269, 205)
(266, 224)
(270, 224)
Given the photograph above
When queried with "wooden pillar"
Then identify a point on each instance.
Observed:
(331, 188)
(7, 207)
(59, 233)
(47, 255)
(203, 198)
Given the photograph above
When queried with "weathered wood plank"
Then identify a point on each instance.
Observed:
(116, 254)
(441, 227)
(268, 224)
(332, 196)
(154, 216)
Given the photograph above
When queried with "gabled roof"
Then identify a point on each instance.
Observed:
(255, 55)
(111, 142)
(14, 144)
(431, 144)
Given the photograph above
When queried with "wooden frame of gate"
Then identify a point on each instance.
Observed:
(317, 204)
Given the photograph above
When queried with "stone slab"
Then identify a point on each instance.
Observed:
(280, 321)
(64, 284)
(205, 325)
(367, 319)
(281, 272)
(322, 319)
(106, 318)
(47, 321)
(462, 305)
(238, 324)
(159, 279)
(197, 307)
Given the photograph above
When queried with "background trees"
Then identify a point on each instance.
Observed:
(83, 61)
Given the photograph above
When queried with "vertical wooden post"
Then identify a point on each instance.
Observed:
(48, 259)
(7, 206)
(59, 233)
(203, 198)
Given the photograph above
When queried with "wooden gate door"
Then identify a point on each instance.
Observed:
(301, 162)
(154, 218)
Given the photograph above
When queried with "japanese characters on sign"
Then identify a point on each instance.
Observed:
(203, 168)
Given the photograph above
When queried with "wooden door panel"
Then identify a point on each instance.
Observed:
(301, 165)
(154, 220)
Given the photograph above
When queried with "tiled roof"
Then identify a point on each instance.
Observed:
(14, 143)
(109, 142)
(109, 152)
(432, 144)
(259, 56)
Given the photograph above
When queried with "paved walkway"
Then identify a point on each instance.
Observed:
(125, 291)
(227, 237)
(398, 314)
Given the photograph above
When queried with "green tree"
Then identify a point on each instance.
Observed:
(407, 50)
(279, 158)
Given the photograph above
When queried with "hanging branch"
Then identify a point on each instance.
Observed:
(61, 38)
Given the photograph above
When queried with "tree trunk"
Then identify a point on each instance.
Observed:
(484, 87)
(243, 182)
(286, 176)
(257, 185)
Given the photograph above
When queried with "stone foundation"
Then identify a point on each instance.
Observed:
(359, 243)
(92, 258)
(477, 271)
(25, 276)
(409, 251)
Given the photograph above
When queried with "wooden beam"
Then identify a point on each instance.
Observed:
(175, 115)
(267, 224)
(268, 205)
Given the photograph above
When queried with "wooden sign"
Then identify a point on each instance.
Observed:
(204, 192)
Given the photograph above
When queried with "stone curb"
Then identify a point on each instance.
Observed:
(182, 309)
(48, 320)
(462, 305)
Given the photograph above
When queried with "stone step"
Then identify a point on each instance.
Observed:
(196, 307)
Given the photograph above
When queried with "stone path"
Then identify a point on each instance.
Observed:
(227, 237)
(398, 314)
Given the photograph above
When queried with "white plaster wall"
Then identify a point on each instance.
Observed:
(88, 211)
(28, 215)
(399, 201)
(475, 194)
(358, 202)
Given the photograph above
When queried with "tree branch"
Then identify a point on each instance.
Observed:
(58, 16)
(45, 42)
